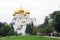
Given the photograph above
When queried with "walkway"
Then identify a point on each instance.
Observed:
(52, 37)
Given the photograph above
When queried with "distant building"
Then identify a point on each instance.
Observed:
(20, 19)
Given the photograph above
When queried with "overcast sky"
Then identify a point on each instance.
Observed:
(38, 8)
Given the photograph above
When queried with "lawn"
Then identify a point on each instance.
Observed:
(27, 38)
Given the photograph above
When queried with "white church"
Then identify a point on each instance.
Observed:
(20, 19)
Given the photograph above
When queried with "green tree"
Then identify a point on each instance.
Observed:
(11, 32)
(6, 30)
(55, 20)
(46, 21)
(29, 28)
(46, 27)
(34, 31)
(12, 26)
(1, 28)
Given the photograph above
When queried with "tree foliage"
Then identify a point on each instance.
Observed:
(55, 16)
(6, 29)
(29, 28)
(46, 27)
(34, 31)
(51, 23)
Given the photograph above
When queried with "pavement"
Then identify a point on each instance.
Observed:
(52, 37)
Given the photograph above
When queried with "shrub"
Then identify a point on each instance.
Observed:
(57, 35)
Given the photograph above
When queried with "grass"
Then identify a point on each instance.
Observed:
(27, 38)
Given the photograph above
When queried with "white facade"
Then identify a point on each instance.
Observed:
(20, 20)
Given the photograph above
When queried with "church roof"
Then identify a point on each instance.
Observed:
(21, 10)
(27, 12)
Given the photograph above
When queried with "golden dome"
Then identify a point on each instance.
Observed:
(17, 10)
(24, 14)
(13, 14)
(27, 12)
(23, 20)
(21, 9)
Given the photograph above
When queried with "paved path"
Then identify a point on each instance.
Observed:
(52, 37)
